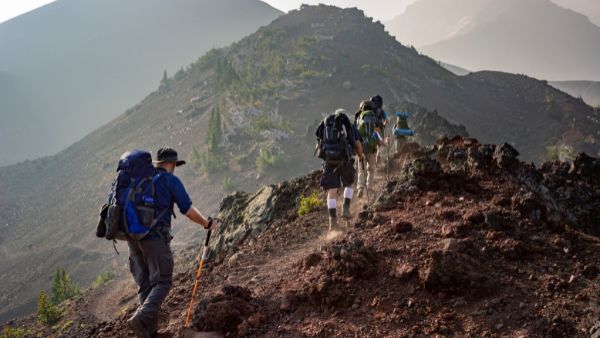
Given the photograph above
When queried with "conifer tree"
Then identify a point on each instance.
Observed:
(47, 313)
(63, 287)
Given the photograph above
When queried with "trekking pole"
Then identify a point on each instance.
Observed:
(387, 164)
(198, 274)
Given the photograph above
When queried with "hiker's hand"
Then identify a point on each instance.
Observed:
(212, 224)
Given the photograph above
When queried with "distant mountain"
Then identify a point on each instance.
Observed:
(455, 69)
(588, 90)
(80, 63)
(589, 8)
(534, 37)
(270, 90)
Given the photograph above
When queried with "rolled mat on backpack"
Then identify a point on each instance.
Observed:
(403, 132)
(403, 114)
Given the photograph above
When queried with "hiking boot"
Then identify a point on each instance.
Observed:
(136, 325)
(346, 209)
(333, 224)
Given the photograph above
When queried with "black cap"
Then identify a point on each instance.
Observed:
(167, 154)
(377, 100)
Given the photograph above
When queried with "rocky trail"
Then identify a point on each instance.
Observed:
(463, 241)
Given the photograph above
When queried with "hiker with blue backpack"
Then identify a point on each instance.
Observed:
(401, 131)
(139, 211)
(338, 141)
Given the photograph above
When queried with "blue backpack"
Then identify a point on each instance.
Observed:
(131, 201)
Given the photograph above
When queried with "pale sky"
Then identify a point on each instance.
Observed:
(12, 8)
(379, 9)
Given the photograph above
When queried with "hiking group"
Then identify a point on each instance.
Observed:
(339, 141)
(139, 211)
(144, 193)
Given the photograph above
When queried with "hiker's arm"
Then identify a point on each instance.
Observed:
(195, 216)
(358, 149)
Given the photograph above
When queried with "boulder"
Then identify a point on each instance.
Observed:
(456, 273)
(505, 156)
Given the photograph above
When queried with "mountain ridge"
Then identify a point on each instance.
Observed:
(501, 35)
(271, 89)
(84, 62)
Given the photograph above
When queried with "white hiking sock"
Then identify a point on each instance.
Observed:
(348, 191)
(331, 203)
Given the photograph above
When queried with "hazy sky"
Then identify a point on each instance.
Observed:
(379, 9)
(12, 8)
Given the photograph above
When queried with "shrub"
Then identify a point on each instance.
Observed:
(267, 122)
(63, 287)
(267, 160)
(11, 332)
(212, 163)
(228, 184)
(194, 158)
(48, 314)
(309, 204)
(103, 278)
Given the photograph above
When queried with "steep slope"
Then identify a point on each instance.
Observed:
(270, 90)
(534, 37)
(464, 240)
(79, 64)
(588, 90)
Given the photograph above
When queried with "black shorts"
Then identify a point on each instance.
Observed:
(338, 176)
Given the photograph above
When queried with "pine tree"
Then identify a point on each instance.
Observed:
(164, 82)
(214, 133)
(47, 313)
(63, 287)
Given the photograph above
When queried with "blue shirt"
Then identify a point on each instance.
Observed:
(170, 191)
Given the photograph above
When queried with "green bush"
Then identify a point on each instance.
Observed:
(63, 287)
(194, 158)
(228, 184)
(309, 204)
(11, 332)
(103, 278)
(212, 163)
(48, 314)
(266, 122)
(551, 153)
(560, 153)
(266, 160)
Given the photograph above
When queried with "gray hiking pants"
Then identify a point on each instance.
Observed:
(151, 264)
(366, 179)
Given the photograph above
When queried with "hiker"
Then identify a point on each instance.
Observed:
(382, 119)
(338, 140)
(401, 125)
(371, 134)
(151, 259)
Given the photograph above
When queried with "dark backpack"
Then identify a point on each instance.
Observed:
(333, 145)
(130, 212)
(367, 123)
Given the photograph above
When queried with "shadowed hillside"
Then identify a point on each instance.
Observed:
(80, 63)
